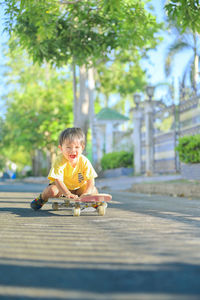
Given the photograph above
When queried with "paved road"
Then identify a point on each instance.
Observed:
(146, 247)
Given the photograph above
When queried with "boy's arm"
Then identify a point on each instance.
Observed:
(64, 190)
(90, 186)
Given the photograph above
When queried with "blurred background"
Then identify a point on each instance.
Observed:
(126, 72)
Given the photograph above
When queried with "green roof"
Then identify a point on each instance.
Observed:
(110, 115)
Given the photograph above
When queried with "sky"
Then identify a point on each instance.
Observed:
(155, 67)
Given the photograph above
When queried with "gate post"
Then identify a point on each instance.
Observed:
(149, 139)
(137, 142)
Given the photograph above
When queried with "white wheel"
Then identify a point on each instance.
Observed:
(101, 210)
(105, 204)
(55, 205)
(76, 211)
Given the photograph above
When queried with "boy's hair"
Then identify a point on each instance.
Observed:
(72, 134)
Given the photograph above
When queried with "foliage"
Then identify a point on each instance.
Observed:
(166, 124)
(184, 41)
(2, 155)
(38, 107)
(123, 75)
(189, 149)
(184, 18)
(57, 31)
(186, 13)
(14, 154)
(116, 160)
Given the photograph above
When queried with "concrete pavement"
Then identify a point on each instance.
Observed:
(126, 182)
(114, 183)
(171, 185)
(146, 247)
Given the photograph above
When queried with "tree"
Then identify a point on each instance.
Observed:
(123, 75)
(186, 13)
(57, 31)
(80, 31)
(38, 107)
(185, 41)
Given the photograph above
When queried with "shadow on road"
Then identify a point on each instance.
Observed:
(26, 212)
(30, 213)
(175, 279)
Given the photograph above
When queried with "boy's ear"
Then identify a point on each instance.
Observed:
(59, 147)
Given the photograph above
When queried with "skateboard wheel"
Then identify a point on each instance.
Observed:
(101, 210)
(67, 203)
(76, 211)
(55, 206)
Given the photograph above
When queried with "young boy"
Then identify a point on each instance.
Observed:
(71, 174)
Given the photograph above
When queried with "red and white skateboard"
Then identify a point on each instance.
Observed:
(97, 201)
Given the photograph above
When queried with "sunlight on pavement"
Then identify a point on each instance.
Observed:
(52, 255)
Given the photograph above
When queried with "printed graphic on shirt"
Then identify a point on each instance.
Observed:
(80, 177)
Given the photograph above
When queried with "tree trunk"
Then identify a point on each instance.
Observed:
(196, 64)
(84, 102)
(196, 71)
(76, 104)
(81, 103)
(91, 90)
(36, 163)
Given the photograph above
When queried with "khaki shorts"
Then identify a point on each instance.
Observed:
(79, 191)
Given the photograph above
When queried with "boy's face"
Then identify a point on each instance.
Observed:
(72, 151)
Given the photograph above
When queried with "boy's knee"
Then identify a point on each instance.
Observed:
(50, 191)
(53, 190)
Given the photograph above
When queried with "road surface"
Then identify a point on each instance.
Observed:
(145, 247)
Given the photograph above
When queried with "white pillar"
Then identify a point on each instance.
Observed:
(100, 142)
(137, 141)
(149, 143)
(109, 137)
(91, 90)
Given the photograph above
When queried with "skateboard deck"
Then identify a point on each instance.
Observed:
(97, 201)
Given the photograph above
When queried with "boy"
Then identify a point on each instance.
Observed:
(71, 174)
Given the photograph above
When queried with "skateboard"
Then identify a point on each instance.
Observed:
(97, 201)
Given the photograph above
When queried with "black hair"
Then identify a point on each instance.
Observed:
(71, 134)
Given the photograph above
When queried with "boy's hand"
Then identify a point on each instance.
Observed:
(71, 196)
(86, 194)
(64, 190)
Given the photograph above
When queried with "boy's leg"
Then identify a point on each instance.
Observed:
(82, 189)
(51, 191)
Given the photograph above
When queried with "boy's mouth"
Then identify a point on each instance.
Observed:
(72, 156)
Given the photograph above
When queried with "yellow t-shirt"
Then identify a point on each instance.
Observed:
(73, 178)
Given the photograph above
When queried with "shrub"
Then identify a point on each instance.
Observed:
(189, 149)
(116, 160)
